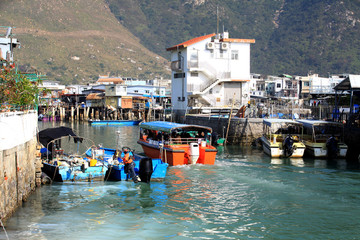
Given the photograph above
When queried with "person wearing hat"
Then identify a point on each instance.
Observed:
(129, 166)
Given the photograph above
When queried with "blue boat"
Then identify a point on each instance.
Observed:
(60, 173)
(116, 170)
(62, 166)
(114, 122)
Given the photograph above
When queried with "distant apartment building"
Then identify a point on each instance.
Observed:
(282, 86)
(210, 71)
(257, 86)
(106, 79)
(322, 85)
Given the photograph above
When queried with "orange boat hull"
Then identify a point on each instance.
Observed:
(178, 154)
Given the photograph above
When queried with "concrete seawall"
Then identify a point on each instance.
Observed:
(241, 130)
(19, 167)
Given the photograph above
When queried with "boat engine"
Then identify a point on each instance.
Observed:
(288, 146)
(194, 153)
(145, 169)
(332, 147)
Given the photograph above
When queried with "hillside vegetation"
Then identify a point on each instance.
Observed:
(292, 36)
(74, 41)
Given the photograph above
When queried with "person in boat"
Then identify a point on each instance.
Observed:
(176, 138)
(159, 136)
(214, 138)
(332, 147)
(129, 166)
(288, 146)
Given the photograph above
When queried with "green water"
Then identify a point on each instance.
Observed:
(245, 195)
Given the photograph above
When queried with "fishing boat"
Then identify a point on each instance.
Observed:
(114, 122)
(147, 168)
(324, 138)
(282, 138)
(177, 144)
(62, 166)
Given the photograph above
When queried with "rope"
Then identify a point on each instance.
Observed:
(54, 173)
(111, 166)
(7, 237)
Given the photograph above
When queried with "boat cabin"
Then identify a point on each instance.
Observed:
(277, 129)
(170, 133)
(319, 131)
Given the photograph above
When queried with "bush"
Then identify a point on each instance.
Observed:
(17, 91)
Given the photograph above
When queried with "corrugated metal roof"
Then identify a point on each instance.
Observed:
(94, 96)
(349, 83)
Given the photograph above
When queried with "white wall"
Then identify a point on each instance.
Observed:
(17, 128)
(211, 65)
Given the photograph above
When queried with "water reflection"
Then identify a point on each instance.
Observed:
(320, 163)
(277, 161)
(297, 162)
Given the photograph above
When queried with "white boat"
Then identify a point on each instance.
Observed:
(282, 138)
(324, 138)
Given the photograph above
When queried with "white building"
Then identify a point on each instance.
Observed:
(282, 86)
(210, 71)
(257, 86)
(7, 44)
(321, 85)
(146, 91)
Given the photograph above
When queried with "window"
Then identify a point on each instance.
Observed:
(234, 55)
(147, 91)
(278, 85)
(306, 84)
(179, 75)
(136, 91)
(194, 74)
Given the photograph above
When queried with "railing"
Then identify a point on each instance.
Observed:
(219, 76)
(184, 140)
(321, 89)
(174, 141)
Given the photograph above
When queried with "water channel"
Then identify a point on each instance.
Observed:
(245, 195)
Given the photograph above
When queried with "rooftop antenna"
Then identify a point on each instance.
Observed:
(217, 19)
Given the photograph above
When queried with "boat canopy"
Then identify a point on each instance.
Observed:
(283, 126)
(277, 121)
(47, 135)
(170, 126)
(310, 123)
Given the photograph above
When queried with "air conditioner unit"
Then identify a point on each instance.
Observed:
(224, 46)
(210, 45)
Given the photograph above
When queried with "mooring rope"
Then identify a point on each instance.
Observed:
(7, 237)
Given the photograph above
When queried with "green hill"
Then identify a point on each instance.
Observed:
(292, 36)
(74, 41)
